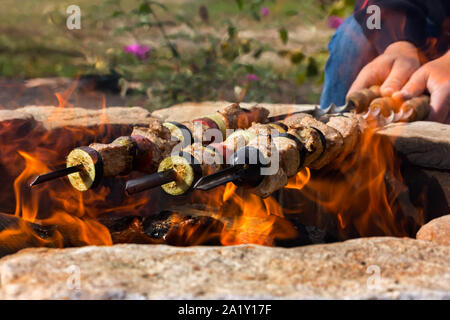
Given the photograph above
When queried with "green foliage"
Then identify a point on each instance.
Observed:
(342, 8)
(283, 35)
(240, 4)
(291, 13)
(213, 63)
(195, 55)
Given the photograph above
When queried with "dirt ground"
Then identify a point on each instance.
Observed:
(58, 91)
(73, 93)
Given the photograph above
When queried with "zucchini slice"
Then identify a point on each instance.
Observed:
(185, 171)
(180, 131)
(92, 172)
(217, 118)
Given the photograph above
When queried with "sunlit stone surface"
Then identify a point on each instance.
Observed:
(367, 268)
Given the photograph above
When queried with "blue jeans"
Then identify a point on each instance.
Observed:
(350, 51)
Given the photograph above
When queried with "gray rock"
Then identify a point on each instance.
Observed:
(437, 231)
(14, 115)
(191, 110)
(443, 179)
(56, 117)
(366, 268)
(424, 143)
(15, 123)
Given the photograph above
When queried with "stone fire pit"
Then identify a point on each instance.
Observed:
(365, 268)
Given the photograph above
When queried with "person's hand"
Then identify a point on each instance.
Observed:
(434, 76)
(391, 70)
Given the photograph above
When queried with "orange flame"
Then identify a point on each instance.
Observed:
(352, 195)
(24, 154)
(350, 198)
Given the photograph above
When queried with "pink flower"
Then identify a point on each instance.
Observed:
(139, 50)
(334, 22)
(265, 11)
(252, 77)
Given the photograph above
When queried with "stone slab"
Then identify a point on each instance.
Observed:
(56, 117)
(366, 268)
(437, 231)
(191, 110)
(424, 143)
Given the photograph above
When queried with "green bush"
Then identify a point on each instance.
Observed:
(172, 75)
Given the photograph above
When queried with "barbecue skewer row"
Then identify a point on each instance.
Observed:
(178, 172)
(384, 109)
(339, 133)
(302, 145)
(307, 142)
(396, 110)
(86, 162)
(370, 102)
(232, 117)
(357, 101)
(146, 147)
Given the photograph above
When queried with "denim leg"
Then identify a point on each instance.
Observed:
(349, 51)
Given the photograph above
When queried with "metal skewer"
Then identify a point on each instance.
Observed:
(219, 178)
(55, 175)
(150, 181)
(333, 109)
(317, 112)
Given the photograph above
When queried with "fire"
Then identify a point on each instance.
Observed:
(253, 224)
(230, 188)
(72, 213)
(25, 207)
(247, 218)
(19, 232)
(301, 179)
(77, 231)
(341, 221)
(355, 197)
(69, 218)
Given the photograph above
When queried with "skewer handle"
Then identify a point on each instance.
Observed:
(414, 109)
(420, 107)
(362, 99)
(149, 181)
